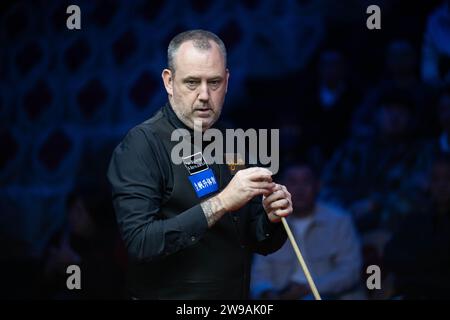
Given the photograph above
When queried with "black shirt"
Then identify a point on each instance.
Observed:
(156, 228)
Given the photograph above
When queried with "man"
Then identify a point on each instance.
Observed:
(328, 243)
(183, 242)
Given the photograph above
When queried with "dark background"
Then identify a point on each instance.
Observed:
(67, 97)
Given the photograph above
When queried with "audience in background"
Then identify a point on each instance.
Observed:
(436, 46)
(418, 255)
(82, 242)
(327, 240)
(325, 107)
(378, 178)
(401, 73)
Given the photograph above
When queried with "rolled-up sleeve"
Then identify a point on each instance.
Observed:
(137, 180)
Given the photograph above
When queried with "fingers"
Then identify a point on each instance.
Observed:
(279, 204)
(276, 195)
(262, 185)
(283, 212)
(266, 186)
(261, 188)
(286, 191)
(277, 187)
(259, 192)
(273, 217)
(258, 169)
(258, 174)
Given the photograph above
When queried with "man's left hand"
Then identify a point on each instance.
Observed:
(278, 204)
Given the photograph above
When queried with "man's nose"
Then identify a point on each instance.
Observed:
(204, 92)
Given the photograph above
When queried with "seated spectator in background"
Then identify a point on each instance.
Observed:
(436, 46)
(327, 240)
(419, 253)
(378, 178)
(82, 241)
(401, 73)
(325, 107)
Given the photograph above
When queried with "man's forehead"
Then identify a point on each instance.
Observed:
(189, 57)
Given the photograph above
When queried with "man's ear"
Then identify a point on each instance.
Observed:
(227, 77)
(168, 81)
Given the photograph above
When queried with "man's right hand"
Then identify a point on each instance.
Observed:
(246, 185)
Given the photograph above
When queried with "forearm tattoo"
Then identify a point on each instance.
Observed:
(213, 210)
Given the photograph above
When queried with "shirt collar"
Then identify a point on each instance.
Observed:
(173, 118)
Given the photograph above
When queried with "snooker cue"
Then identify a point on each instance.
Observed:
(301, 260)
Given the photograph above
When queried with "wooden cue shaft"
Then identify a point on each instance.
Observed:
(300, 259)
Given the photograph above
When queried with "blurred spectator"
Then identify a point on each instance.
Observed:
(401, 73)
(327, 240)
(377, 179)
(82, 241)
(436, 46)
(419, 253)
(325, 107)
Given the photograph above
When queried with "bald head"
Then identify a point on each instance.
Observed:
(201, 39)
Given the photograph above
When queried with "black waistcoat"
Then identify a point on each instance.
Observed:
(215, 267)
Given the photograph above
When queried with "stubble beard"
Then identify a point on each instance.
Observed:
(195, 123)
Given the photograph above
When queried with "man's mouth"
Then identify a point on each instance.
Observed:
(203, 112)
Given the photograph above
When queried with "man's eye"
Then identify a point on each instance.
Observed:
(214, 83)
(192, 84)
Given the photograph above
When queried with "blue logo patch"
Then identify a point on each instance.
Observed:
(204, 182)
